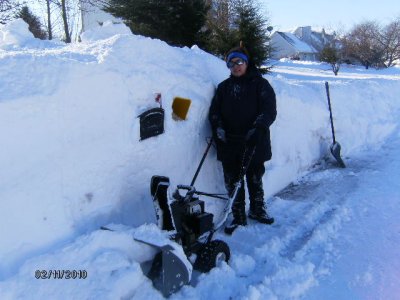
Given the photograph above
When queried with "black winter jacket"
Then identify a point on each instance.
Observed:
(239, 104)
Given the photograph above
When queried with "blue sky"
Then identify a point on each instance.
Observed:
(333, 14)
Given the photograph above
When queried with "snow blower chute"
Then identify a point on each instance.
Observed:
(190, 227)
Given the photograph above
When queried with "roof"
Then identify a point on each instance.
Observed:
(296, 42)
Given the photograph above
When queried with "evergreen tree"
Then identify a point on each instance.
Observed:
(178, 22)
(252, 31)
(231, 21)
(34, 24)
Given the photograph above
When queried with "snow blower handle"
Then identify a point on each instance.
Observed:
(201, 162)
(246, 160)
(189, 194)
(191, 189)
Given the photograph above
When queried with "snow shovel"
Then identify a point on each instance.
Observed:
(335, 147)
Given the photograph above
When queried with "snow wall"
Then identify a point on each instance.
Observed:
(70, 154)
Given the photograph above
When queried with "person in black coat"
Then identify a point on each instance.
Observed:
(241, 112)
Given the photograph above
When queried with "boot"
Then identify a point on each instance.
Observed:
(259, 213)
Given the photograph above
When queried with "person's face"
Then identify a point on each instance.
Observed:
(237, 66)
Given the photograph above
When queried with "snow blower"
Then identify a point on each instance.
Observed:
(190, 227)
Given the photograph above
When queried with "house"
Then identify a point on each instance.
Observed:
(318, 39)
(304, 43)
(286, 44)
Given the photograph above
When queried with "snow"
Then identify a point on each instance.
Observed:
(72, 161)
(93, 15)
(14, 34)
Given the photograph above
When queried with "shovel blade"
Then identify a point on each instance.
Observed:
(335, 150)
(168, 272)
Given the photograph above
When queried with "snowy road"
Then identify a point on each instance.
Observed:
(368, 266)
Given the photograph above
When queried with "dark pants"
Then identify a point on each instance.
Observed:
(255, 189)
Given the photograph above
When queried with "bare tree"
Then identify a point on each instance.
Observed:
(57, 9)
(48, 9)
(70, 9)
(8, 9)
(65, 21)
(219, 27)
(49, 24)
(62, 7)
(391, 43)
(363, 44)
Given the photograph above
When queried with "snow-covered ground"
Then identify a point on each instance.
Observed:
(71, 161)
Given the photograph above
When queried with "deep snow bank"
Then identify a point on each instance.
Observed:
(71, 157)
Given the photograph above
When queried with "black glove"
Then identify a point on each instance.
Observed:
(254, 136)
(220, 134)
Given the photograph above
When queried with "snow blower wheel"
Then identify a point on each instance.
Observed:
(212, 255)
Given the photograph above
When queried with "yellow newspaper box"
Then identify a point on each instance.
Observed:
(180, 108)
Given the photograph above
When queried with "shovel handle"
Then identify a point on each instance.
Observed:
(330, 111)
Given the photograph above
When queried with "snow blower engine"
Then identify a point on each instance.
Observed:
(185, 214)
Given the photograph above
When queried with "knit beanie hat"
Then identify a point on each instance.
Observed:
(240, 52)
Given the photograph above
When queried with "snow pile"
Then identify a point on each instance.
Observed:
(71, 155)
(104, 256)
(72, 160)
(108, 29)
(14, 34)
